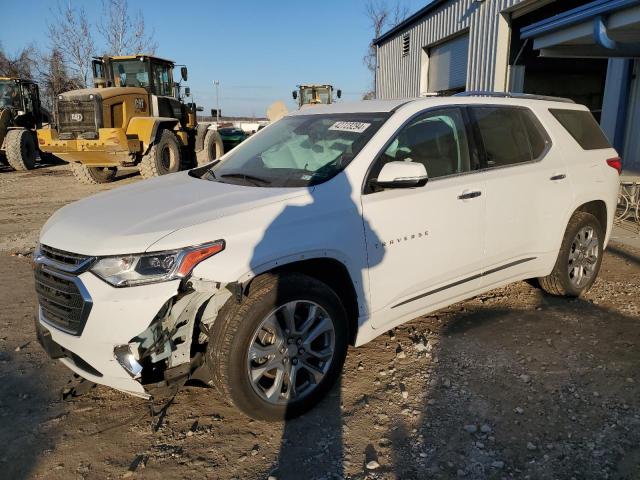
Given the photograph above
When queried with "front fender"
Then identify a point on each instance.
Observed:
(146, 128)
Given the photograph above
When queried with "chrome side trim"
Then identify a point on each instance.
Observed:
(465, 280)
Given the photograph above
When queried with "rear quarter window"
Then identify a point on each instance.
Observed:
(582, 127)
(509, 135)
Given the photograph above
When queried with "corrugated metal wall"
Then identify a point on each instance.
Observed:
(399, 76)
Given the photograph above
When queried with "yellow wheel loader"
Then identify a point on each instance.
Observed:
(20, 115)
(314, 95)
(136, 115)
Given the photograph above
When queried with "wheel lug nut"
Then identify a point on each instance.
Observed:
(301, 351)
(299, 341)
(289, 341)
(294, 361)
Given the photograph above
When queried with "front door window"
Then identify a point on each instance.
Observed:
(161, 79)
(436, 139)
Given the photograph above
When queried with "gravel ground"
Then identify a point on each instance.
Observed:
(511, 384)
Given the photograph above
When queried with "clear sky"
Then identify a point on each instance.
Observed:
(258, 50)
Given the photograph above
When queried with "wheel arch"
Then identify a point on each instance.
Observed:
(146, 129)
(597, 208)
(330, 271)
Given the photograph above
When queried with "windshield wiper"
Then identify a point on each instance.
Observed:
(209, 175)
(250, 178)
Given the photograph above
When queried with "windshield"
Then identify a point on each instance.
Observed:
(9, 95)
(298, 151)
(130, 73)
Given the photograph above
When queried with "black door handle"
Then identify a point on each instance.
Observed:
(560, 176)
(468, 195)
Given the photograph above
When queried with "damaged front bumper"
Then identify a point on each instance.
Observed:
(136, 338)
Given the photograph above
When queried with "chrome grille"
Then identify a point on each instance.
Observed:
(60, 256)
(77, 118)
(62, 301)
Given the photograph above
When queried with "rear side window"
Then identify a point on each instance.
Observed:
(509, 135)
(582, 127)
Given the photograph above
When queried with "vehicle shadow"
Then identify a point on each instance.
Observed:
(27, 430)
(311, 445)
(31, 416)
(623, 254)
(526, 393)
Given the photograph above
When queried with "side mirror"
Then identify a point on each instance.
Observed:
(184, 73)
(294, 94)
(339, 93)
(199, 109)
(187, 92)
(402, 174)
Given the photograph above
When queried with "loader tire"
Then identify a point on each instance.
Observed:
(93, 175)
(164, 156)
(21, 149)
(213, 148)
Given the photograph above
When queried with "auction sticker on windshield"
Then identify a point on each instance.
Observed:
(356, 127)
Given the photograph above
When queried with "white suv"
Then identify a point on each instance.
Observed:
(324, 229)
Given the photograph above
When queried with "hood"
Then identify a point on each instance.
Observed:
(129, 219)
(104, 93)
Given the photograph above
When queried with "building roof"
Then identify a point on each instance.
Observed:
(601, 28)
(409, 21)
(577, 15)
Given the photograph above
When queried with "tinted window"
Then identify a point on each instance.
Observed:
(582, 127)
(509, 135)
(436, 139)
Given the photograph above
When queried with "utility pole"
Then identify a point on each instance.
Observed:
(217, 85)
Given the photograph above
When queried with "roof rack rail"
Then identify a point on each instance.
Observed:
(526, 96)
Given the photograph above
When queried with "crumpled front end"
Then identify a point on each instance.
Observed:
(129, 338)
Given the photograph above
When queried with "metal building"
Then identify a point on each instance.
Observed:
(585, 50)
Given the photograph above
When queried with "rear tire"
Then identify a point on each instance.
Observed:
(213, 148)
(164, 156)
(249, 335)
(21, 149)
(579, 259)
(93, 175)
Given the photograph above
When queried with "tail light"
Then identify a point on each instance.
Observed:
(615, 162)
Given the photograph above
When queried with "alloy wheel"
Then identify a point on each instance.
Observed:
(583, 256)
(291, 351)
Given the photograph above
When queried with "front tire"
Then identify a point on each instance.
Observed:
(21, 149)
(579, 259)
(164, 156)
(93, 175)
(213, 147)
(276, 354)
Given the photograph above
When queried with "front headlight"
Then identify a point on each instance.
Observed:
(129, 270)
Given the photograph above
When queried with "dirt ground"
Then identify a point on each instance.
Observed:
(511, 384)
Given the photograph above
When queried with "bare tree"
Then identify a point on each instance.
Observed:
(19, 65)
(70, 34)
(123, 33)
(381, 17)
(54, 78)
